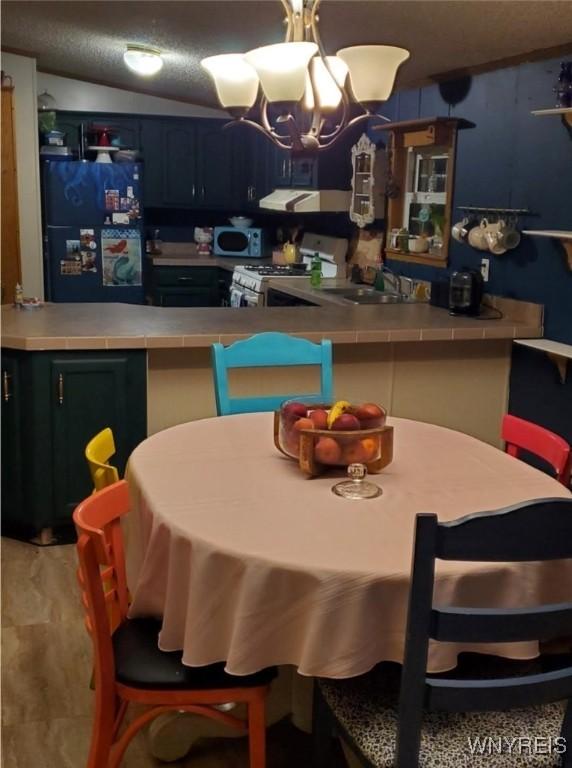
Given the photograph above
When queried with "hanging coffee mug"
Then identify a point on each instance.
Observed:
(492, 238)
(508, 235)
(477, 236)
(460, 230)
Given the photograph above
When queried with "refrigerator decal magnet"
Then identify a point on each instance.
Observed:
(88, 261)
(72, 250)
(121, 257)
(70, 267)
(112, 198)
(120, 218)
(87, 239)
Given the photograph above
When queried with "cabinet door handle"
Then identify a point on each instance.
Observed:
(6, 385)
(61, 389)
(193, 190)
(203, 192)
(185, 279)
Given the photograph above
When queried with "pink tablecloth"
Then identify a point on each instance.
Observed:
(249, 562)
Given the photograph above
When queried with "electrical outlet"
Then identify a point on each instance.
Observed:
(485, 269)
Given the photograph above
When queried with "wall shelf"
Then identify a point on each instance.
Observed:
(565, 112)
(563, 235)
(558, 352)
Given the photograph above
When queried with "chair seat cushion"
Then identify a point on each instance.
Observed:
(365, 708)
(141, 664)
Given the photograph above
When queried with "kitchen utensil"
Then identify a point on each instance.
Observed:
(291, 253)
(508, 235)
(242, 222)
(492, 238)
(477, 236)
(460, 230)
(465, 292)
(418, 244)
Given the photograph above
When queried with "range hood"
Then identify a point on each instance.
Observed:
(307, 200)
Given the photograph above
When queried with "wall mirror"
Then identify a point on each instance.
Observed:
(367, 182)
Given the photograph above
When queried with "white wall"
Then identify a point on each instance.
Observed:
(23, 73)
(79, 95)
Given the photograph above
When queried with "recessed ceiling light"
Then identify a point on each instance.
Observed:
(144, 61)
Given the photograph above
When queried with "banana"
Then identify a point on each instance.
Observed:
(341, 406)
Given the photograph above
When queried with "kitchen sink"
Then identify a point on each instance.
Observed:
(366, 296)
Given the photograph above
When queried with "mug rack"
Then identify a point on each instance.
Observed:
(488, 210)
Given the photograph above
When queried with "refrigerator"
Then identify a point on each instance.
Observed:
(93, 231)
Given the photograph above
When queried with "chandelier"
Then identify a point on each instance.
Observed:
(306, 96)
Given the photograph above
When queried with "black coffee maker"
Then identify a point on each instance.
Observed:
(465, 292)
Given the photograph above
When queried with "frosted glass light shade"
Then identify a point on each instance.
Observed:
(143, 61)
(282, 69)
(236, 82)
(373, 69)
(328, 90)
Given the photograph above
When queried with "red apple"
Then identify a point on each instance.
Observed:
(370, 415)
(346, 422)
(293, 411)
(319, 418)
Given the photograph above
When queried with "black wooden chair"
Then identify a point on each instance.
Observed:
(404, 718)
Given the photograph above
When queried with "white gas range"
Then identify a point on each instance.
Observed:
(250, 281)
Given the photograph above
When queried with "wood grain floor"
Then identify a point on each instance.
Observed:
(46, 668)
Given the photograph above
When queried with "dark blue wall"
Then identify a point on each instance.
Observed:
(513, 159)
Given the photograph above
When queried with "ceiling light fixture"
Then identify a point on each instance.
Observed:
(305, 101)
(142, 60)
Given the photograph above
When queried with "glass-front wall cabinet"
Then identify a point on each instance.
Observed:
(421, 156)
(425, 197)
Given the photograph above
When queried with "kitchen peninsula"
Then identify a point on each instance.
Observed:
(67, 368)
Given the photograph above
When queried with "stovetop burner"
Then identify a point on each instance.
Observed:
(283, 270)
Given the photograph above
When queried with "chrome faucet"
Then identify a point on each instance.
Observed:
(391, 279)
(407, 285)
(404, 286)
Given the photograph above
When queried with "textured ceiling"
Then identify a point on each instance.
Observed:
(86, 39)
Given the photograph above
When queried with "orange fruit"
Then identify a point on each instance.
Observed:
(304, 423)
(370, 447)
(327, 451)
(354, 453)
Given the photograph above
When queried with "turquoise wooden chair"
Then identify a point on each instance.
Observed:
(265, 350)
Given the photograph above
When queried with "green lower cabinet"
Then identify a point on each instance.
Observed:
(186, 286)
(12, 455)
(63, 399)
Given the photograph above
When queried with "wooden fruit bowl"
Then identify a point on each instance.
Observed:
(372, 447)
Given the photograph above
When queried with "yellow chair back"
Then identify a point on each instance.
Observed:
(98, 452)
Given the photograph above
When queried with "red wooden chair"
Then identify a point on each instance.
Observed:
(129, 667)
(522, 435)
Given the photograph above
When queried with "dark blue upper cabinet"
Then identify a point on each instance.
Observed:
(189, 163)
(252, 171)
(179, 150)
(217, 165)
(153, 167)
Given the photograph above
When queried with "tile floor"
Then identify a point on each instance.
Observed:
(46, 668)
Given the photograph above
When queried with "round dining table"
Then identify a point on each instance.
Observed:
(248, 561)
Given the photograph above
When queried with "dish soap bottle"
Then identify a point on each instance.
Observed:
(19, 296)
(316, 271)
